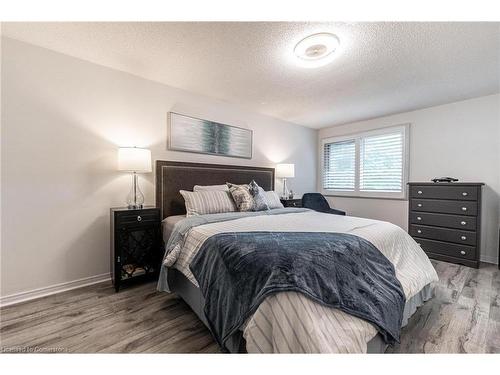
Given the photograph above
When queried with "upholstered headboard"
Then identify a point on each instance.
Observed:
(172, 176)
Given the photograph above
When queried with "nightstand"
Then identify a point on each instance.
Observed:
(294, 202)
(135, 244)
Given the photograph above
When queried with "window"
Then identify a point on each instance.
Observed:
(340, 165)
(371, 164)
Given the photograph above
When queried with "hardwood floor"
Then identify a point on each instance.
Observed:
(464, 317)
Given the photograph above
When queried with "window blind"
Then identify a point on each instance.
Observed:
(339, 165)
(381, 162)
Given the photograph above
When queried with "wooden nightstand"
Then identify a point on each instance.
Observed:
(135, 244)
(294, 202)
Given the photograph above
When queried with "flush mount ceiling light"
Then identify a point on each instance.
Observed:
(316, 49)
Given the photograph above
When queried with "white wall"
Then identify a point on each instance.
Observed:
(62, 121)
(461, 140)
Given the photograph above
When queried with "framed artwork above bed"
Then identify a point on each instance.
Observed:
(191, 134)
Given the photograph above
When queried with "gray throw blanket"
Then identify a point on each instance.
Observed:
(236, 271)
(182, 228)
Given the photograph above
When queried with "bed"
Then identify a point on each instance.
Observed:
(287, 321)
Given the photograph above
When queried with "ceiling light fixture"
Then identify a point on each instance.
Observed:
(316, 47)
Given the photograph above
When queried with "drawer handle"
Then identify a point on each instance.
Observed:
(419, 231)
(464, 194)
(419, 205)
(139, 218)
(464, 208)
(463, 222)
(419, 218)
(419, 192)
(462, 252)
(463, 238)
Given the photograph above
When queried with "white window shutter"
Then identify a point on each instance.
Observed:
(381, 162)
(339, 160)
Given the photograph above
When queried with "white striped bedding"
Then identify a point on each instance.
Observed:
(289, 322)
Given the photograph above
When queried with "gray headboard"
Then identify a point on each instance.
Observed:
(172, 176)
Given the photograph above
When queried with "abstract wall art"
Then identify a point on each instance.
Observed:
(192, 134)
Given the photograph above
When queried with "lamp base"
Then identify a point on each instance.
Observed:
(135, 199)
(135, 207)
(285, 193)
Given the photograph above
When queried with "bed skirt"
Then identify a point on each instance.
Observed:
(180, 285)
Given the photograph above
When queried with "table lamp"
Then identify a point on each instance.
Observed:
(285, 171)
(135, 160)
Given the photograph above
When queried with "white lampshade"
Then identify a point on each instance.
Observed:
(134, 159)
(285, 170)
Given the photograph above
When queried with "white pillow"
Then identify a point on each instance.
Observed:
(207, 202)
(272, 199)
(210, 188)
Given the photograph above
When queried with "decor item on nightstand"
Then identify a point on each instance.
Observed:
(285, 171)
(135, 160)
(445, 220)
(135, 244)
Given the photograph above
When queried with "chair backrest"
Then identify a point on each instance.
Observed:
(315, 201)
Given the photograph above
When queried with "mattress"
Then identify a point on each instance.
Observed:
(168, 225)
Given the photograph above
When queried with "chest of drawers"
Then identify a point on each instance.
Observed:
(445, 220)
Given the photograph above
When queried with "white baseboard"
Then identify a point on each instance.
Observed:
(53, 289)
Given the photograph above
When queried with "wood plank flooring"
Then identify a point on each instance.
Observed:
(464, 317)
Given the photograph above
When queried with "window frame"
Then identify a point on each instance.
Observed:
(357, 193)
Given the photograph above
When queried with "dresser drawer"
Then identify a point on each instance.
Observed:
(469, 193)
(449, 249)
(125, 218)
(444, 207)
(442, 220)
(444, 234)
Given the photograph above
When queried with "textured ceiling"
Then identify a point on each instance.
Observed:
(380, 69)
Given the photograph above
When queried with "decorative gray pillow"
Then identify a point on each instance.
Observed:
(259, 199)
(241, 196)
(272, 199)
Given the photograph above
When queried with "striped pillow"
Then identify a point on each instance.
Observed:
(272, 199)
(207, 202)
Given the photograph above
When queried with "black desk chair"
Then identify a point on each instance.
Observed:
(317, 202)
